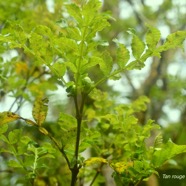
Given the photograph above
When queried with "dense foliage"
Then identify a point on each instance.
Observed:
(88, 137)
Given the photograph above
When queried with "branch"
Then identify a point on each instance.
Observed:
(130, 82)
(96, 175)
(6, 171)
(60, 149)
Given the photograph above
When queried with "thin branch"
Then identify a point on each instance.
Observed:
(6, 171)
(51, 138)
(20, 98)
(96, 175)
(130, 82)
(13, 103)
(106, 78)
(60, 149)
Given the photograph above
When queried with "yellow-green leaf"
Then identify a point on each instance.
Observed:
(138, 47)
(95, 160)
(173, 40)
(7, 117)
(122, 55)
(121, 167)
(40, 109)
(43, 130)
(58, 69)
(106, 63)
(28, 121)
(152, 37)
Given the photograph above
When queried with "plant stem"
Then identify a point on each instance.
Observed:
(60, 149)
(97, 174)
(79, 116)
(79, 111)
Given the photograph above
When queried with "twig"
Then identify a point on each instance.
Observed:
(97, 173)
(6, 171)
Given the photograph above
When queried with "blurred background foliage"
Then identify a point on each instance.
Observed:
(162, 80)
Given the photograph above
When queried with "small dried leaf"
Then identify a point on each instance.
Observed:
(30, 122)
(43, 130)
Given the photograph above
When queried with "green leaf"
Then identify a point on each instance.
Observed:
(58, 69)
(99, 23)
(40, 109)
(66, 45)
(158, 142)
(23, 144)
(14, 136)
(66, 121)
(74, 33)
(148, 128)
(123, 55)
(4, 138)
(68, 138)
(152, 37)
(14, 164)
(7, 117)
(138, 47)
(18, 37)
(75, 12)
(3, 129)
(37, 45)
(168, 151)
(48, 146)
(45, 31)
(173, 40)
(41, 44)
(93, 61)
(69, 130)
(140, 104)
(89, 138)
(90, 10)
(71, 66)
(105, 63)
